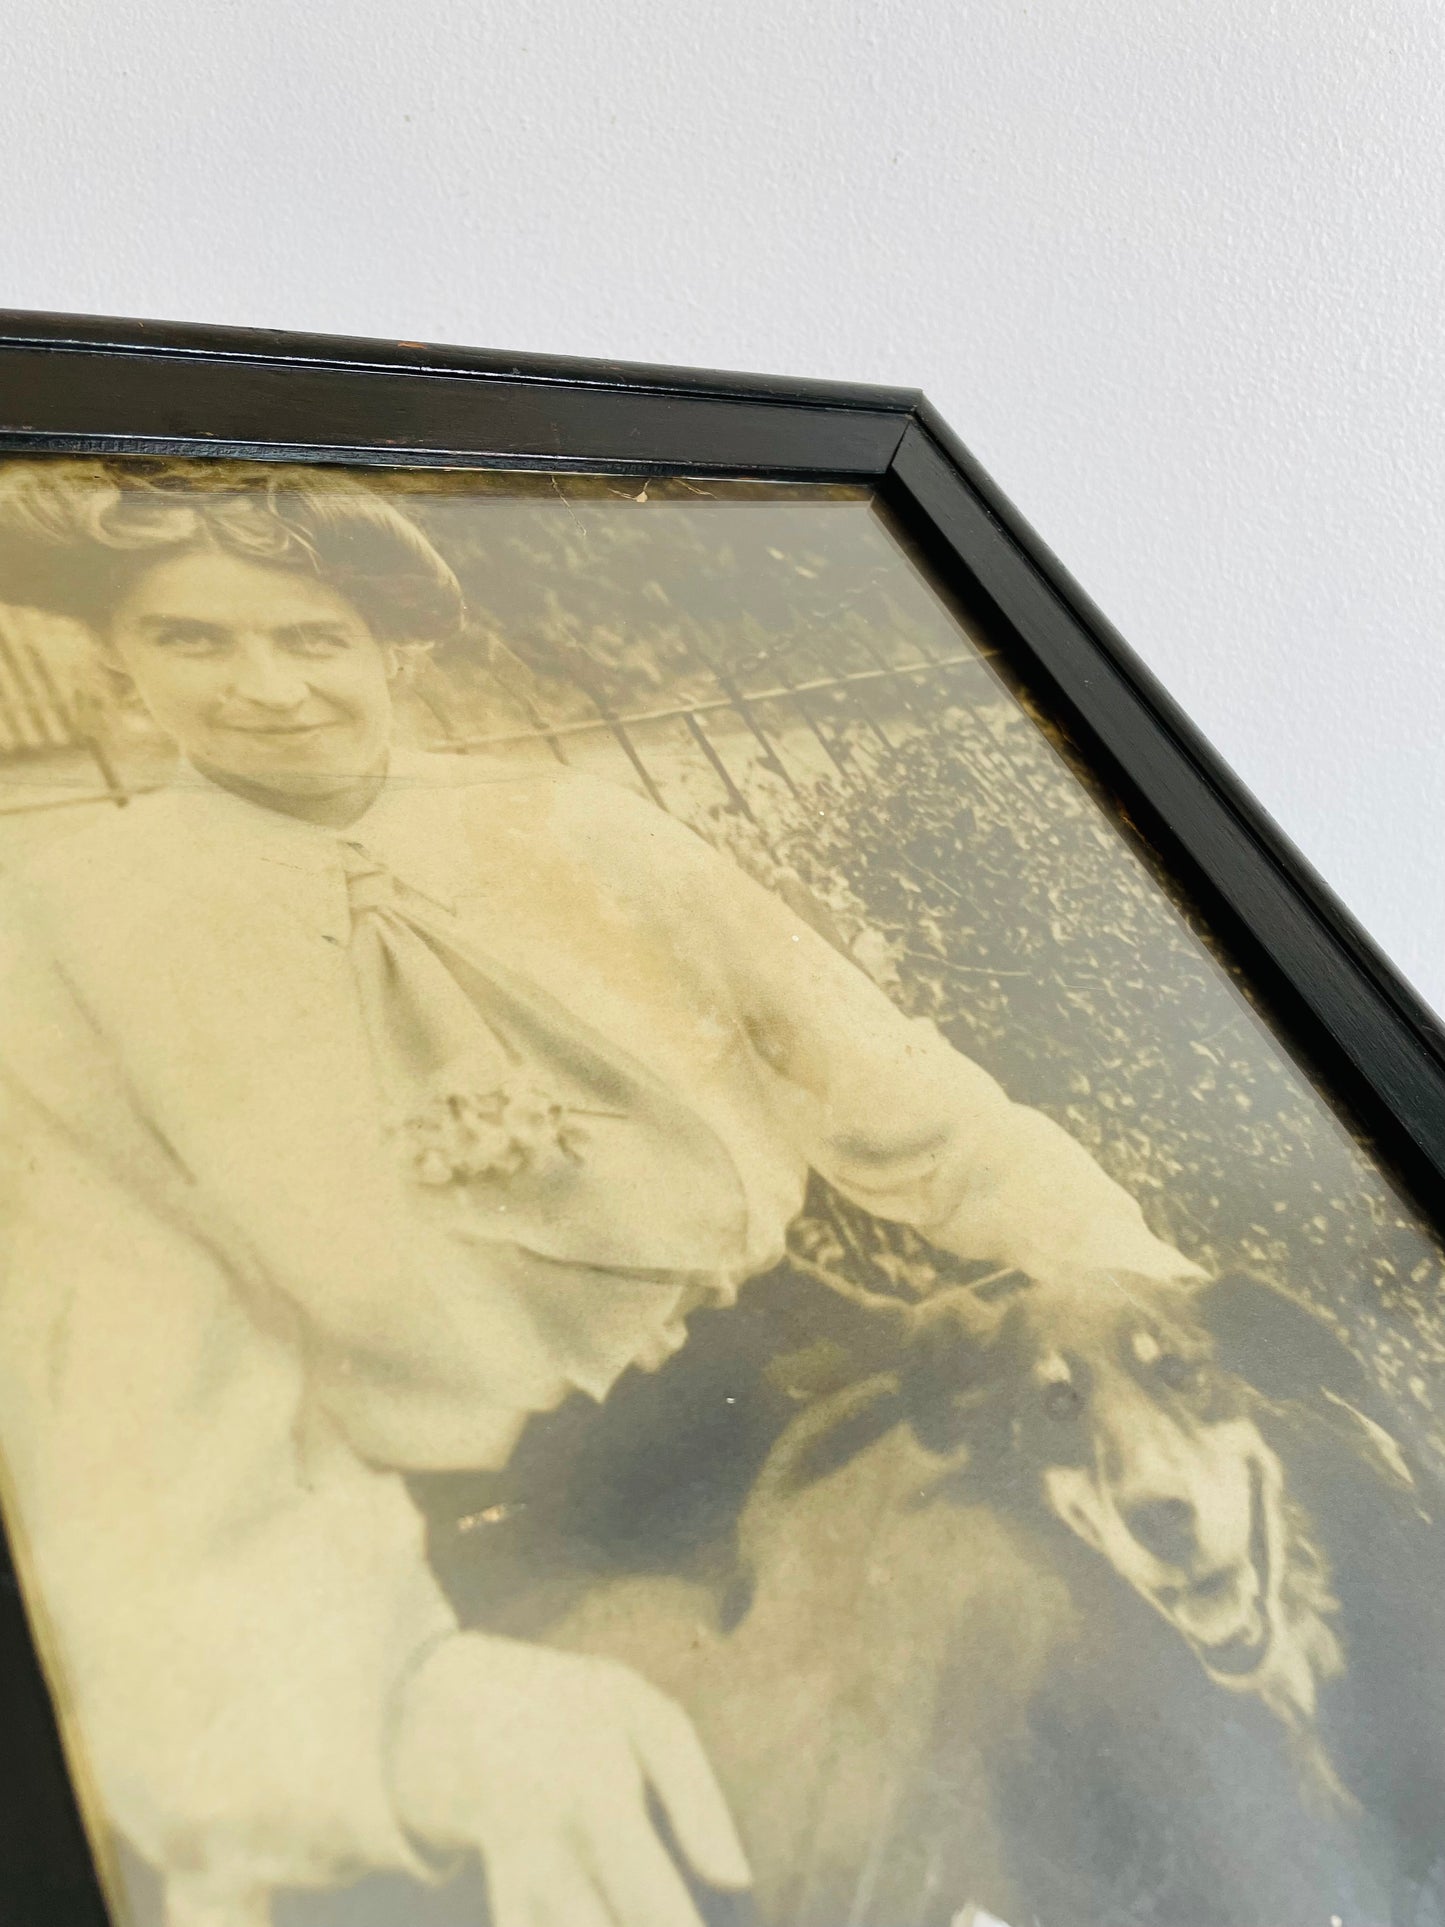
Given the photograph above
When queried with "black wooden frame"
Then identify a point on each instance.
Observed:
(72, 383)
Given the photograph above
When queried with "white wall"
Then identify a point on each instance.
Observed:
(1174, 270)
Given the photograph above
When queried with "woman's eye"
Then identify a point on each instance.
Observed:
(318, 642)
(1180, 1374)
(190, 640)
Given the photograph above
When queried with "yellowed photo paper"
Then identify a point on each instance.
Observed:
(650, 1277)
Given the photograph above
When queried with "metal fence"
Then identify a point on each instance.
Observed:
(44, 711)
(741, 736)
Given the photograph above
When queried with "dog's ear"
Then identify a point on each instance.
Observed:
(950, 1366)
(824, 1438)
(1289, 1353)
(1280, 1346)
(827, 1435)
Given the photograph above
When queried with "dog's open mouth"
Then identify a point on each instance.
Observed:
(1244, 1650)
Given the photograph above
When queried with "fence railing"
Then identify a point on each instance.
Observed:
(740, 738)
(741, 741)
(42, 713)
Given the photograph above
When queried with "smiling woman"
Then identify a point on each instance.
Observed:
(372, 1106)
(289, 693)
(260, 628)
(576, 1330)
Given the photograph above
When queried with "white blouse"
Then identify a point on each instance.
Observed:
(250, 1275)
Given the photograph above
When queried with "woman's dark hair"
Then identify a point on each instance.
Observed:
(74, 534)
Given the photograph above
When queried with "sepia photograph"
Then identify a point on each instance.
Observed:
(654, 1275)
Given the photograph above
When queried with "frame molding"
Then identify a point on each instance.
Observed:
(84, 385)
(150, 388)
(1369, 1034)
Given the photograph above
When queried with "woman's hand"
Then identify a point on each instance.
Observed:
(542, 1762)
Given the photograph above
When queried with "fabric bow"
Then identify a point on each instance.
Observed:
(513, 1118)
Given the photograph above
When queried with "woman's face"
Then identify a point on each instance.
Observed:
(260, 674)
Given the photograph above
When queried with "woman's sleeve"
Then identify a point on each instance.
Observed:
(226, 1599)
(884, 1107)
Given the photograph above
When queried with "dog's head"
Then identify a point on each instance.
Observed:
(1138, 1415)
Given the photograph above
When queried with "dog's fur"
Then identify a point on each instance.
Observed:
(1140, 1437)
(1192, 1441)
(1177, 1498)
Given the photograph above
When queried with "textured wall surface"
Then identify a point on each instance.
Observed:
(1175, 271)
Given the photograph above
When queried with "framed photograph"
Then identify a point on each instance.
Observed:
(699, 1226)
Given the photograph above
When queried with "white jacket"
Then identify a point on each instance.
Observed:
(222, 1326)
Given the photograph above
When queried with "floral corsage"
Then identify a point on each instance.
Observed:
(463, 1134)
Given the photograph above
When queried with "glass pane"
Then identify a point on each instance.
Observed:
(643, 1243)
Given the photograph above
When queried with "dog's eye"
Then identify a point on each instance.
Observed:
(1062, 1399)
(1178, 1373)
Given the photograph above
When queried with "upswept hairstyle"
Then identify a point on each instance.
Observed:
(75, 533)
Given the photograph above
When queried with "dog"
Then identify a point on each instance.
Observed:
(1173, 1497)
(1147, 1419)
(1126, 1411)
(1218, 1451)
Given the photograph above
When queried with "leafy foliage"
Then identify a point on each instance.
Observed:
(1004, 905)
(950, 847)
